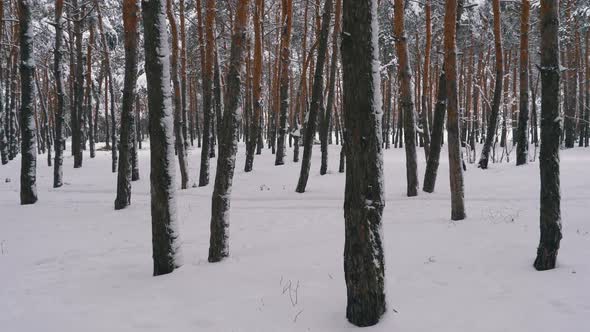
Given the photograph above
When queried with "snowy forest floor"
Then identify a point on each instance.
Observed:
(72, 263)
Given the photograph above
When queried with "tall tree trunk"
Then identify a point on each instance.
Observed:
(550, 212)
(493, 118)
(136, 139)
(571, 75)
(77, 112)
(285, 78)
(364, 199)
(130, 23)
(522, 148)
(454, 143)
(326, 120)
(165, 237)
(406, 98)
(89, 87)
(28, 170)
(207, 91)
(426, 104)
(177, 99)
(255, 127)
(317, 99)
(228, 143)
(59, 86)
(183, 78)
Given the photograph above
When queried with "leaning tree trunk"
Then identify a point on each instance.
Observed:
(130, 23)
(493, 118)
(426, 103)
(165, 237)
(550, 220)
(285, 77)
(324, 130)
(454, 144)
(207, 92)
(228, 142)
(316, 99)
(406, 99)
(522, 148)
(28, 170)
(255, 127)
(364, 199)
(59, 86)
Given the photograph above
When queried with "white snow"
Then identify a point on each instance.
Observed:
(72, 263)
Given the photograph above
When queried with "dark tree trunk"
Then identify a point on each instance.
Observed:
(255, 124)
(406, 99)
(165, 241)
(550, 219)
(77, 112)
(135, 137)
(522, 148)
(364, 200)
(28, 171)
(130, 23)
(228, 143)
(493, 119)
(437, 136)
(317, 99)
(59, 86)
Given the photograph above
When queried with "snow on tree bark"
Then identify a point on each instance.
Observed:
(406, 99)
(130, 23)
(28, 171)
(60, 91)
(550, 210)
(522, 147)
(165, 236)
(317, 99)
(228, 142)
(364, 198)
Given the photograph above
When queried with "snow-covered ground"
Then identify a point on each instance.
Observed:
(72, 263)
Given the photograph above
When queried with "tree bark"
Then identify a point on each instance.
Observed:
(493, 118)
(59, 86)
(130, 23)
(523, 117)
(177, 99)
(285, 78)
(364, 199)
(406, 98)
(228, 143)
(550, 212)
(317, 99)
(454, 143)
(28, 171)
(165, 237)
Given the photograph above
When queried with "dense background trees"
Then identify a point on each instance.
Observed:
(283, 74)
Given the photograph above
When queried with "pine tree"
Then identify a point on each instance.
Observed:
(28, 171)
(165, 241)
(364, 200)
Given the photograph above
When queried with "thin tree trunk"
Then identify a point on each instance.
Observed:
(317, 99)
(523, 116)
(285, 78)
(493, 119)
(59, 85)
(130, 23)
(177, 100)
(28, 171)
(228, 143)
(406, 98)
(255, 127)
(454, 143)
